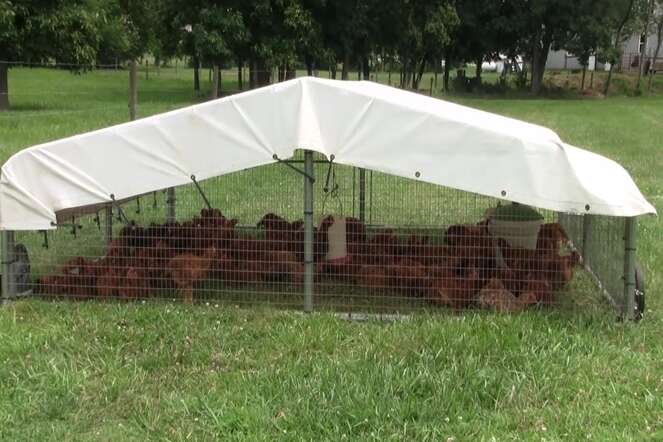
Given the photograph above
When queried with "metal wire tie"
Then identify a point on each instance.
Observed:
(276, 158)
(200, 191)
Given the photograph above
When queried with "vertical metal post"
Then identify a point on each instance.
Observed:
(108, 223)
(629, 268)
(308, 231)
(7, 260)
(362, 195)
(586, 239)
(170, 203)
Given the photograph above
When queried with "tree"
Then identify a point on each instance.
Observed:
(425, 29)
(543, 25)
(480, 32)
(217, 36)
(619, 20)
(39, 31)
(589, 32)
(658, 21)
(645, 13)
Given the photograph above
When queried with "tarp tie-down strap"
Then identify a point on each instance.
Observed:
(200, 191)
(276, 158)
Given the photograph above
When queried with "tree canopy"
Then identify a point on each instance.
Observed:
(281, 35)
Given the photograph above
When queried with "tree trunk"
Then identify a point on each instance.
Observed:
(196, 75)
(539, 58)
(659, 41)
(240, 79)
(4, 87)
(447, 70)
(214, 93)
(290, 73)
(479, 70)
(618, 41)
(133, 89)
(643, 50)
(584, 72)
(157, 64)
(366, 68)
(420, 74)
(346, 65)
(309, 65)
(607, 82)
(263, 76)
(253, 80)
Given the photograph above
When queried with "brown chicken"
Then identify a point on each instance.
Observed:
(455, 289)
(409, 277)
(76, 277)
(560, 269)
(133, 285)
(537, 287)
(551, 237)
(372, 277)
(108, 282)
(187, 269)
(496, 297)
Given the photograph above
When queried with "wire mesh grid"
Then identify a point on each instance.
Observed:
(381, 244)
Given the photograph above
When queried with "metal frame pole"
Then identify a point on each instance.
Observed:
(170, 203)
(108, 223)
(308, 231)
(586, 239)
(362, 195)
(629, 268)
(7, 260)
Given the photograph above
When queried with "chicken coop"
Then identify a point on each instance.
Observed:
(323, 195)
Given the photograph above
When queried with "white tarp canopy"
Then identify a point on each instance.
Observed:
(362, 124)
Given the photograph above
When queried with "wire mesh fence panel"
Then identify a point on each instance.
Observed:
(600, 240)
(381, 243)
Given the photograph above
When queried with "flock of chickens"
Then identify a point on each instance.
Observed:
(470, 268)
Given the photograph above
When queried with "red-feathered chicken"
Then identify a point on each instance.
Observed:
(457, 289)
(372, 277)
(187, 269)
(409, 277)
(496, 297)
(133, 285)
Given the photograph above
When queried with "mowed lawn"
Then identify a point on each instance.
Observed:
(163, 371)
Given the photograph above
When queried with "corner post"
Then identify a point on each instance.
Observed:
(170, 202)
(7, 260)
(362, 195)
(308, 231)
(108, 223)
(586, 239)
(629, 268)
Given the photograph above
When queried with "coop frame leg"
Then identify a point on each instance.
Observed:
(628, 304)
(170, 205)
(362, 195)
(108, 223)
(308, 230)
(7, 260)
(587, 226)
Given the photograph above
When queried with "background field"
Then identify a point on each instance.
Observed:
(116, 371)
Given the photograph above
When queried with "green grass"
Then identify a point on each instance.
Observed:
(162, 371)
